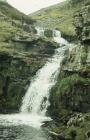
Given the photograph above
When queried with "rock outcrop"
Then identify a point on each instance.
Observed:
(15, 76)
(71, 93)
(82, 24)
(17, 67)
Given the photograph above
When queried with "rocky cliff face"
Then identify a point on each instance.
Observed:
(71, 95)
(17, 69)
(82, 24)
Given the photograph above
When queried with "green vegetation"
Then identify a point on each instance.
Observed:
(22, 53)
(12, 26)
(13, 13)
(68, 95)
(59, 16)
(78, 130)
(69, 98)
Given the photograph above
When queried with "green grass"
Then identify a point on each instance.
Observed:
(7, 33)
(13, 13)
(59, 16)
(11, 26)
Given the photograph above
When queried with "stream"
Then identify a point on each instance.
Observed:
(26, 125)
(22, 132)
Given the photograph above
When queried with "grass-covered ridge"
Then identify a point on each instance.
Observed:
(13, 13)
(59, 16)
(13, 24)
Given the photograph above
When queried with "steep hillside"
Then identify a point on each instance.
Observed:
(13, 24)
(59, 16)
(22, 53)
(13, 13)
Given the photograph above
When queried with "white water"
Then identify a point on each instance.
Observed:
(40, 31)
(36, 100)
(58, 39)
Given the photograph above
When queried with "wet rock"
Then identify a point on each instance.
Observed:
(56, 136)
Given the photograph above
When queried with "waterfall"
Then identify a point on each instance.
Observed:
(58, 39)
(55, 34)
(40, 31)
(36, 99)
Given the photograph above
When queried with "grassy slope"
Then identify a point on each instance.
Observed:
(11, 25)
(59, 16)
(13, 13)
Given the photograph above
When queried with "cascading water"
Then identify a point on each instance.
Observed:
(36, 100)
(58, 39)
(56, 33)
(40, 31)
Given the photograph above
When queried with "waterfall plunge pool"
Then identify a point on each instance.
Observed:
(23, 127)
(22, 132)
